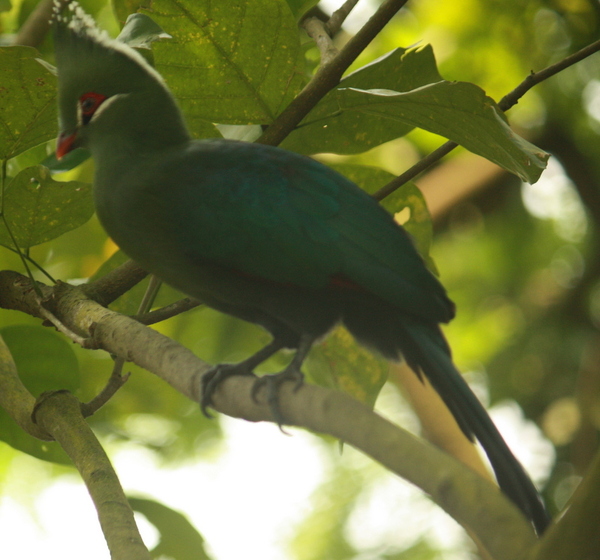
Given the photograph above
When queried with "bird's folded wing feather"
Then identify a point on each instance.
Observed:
(288, 219)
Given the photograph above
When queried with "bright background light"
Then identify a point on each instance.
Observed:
(250, 497)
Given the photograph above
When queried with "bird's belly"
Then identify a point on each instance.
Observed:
(270, 304)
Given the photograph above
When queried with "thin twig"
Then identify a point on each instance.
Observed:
(115, 283)
(322, 32)
(34, 263)
(318, 32)
(508, 101)
(167, 312)
(411, 173)
(115, 382)
(330, 75)
(535, 78)
(61, 327)
(334, 24)
(3, 175)
(117, 379)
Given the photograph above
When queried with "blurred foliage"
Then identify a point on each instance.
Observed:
(178, 538)
(522, 265)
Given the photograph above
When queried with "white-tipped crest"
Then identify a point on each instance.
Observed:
(81, 28)
(77, 20)
(89, 61)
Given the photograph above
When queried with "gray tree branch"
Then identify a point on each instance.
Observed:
(474, 502)
(57, 416)
(329, 75)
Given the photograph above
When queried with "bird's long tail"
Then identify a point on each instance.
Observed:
(426, 351)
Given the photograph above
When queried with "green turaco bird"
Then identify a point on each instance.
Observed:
(260, 233)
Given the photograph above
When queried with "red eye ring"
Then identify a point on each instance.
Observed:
(89, 103)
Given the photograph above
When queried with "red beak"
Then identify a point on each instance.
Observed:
(65, 144)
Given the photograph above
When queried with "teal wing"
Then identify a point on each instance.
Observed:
(276, 215)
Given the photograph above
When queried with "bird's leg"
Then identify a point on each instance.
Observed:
(291, 373)
(216, 375)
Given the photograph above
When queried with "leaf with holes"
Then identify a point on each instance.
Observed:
(459, 111)
(38, 209)
(331, 128)
(340, 362)
(230, 63)
(27, 101)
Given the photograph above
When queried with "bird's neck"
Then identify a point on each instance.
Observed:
(136, 131)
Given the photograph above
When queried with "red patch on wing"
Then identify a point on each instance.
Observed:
(338, 281)
(335, 281)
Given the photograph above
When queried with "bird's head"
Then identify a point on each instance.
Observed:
(104, 86)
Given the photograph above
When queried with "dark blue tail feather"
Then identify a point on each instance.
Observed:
(425, 350)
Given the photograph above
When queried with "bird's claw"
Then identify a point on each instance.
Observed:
(272, 383)
(213, 378)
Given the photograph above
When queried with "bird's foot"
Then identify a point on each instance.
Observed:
(214, 377)
(271, 383)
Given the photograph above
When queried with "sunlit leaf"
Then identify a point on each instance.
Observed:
(330, 127)
(232, 63)
(459, 111)
(340, 362)
(27, 101)
(403, 90)
(38, 209)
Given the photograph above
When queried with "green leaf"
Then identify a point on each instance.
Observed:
(340, 362)
(45, 362)
(29, 158)
(123, 8)
(330, 127)
(179, 539)
(461, 112)
(140, 31)
(300, 7)
(229, 62)
(27, 101)
(38, 209)
(406, 203)
(415, 218)
(410, 93)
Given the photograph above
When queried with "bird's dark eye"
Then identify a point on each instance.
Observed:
(89, 103)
